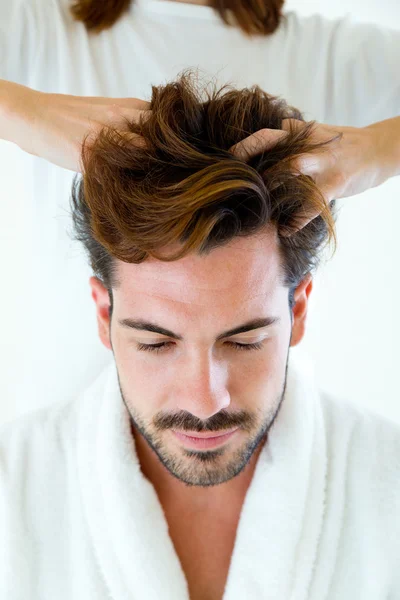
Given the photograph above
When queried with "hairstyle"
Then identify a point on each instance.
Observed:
(251, 16)
(184, 186)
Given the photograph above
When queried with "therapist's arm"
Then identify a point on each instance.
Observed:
(14, 102)
(356, 158)
(387, 135)
(53, 126)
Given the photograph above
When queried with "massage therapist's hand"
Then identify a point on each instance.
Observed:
(53, 126)
(361, 158)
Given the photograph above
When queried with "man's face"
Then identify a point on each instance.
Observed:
(200, 383)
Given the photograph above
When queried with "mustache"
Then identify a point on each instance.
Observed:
(185, 421)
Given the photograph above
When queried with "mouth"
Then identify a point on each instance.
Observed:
(204, 440)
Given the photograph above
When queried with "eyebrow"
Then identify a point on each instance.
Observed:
(153, 327)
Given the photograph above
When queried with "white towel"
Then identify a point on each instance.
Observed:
(320, 521)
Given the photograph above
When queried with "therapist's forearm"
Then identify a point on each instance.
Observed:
(387, 140)
(15, 114)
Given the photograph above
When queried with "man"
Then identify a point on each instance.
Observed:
(203, 463)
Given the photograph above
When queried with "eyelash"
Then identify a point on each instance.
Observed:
(236, 345)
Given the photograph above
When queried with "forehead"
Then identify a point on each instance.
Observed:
(243, 270)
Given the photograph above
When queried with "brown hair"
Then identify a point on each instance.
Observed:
(251, 16)
(185, 186)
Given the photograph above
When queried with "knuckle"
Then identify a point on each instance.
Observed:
(112, 111)
(300, 163)
(296, 164)
(339, 178)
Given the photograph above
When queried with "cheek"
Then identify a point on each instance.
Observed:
(263, 372)
(143, 379)
(269, 359)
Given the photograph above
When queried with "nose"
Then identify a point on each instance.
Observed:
(202, 387)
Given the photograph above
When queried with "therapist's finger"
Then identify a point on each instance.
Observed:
(131, 103)
(123, 102)
(264, 139)
(261, 140)
(91, 137)
(301, 220)
(293, 124)
(119, 116)
(307, 164)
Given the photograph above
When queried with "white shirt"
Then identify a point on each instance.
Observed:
(335, 71)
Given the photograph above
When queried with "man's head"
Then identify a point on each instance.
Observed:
(189, 243)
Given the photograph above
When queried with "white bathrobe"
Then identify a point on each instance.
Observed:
(320, 521)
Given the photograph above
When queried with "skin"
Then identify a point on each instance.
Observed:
(200, 383)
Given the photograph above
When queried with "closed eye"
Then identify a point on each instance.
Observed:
(163, 345)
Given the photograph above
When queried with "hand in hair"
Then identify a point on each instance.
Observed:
(358, 159)
(54, 126)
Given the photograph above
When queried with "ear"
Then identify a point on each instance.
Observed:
(300, 306)
(102, 301)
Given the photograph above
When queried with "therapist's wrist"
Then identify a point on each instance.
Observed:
(386, 139)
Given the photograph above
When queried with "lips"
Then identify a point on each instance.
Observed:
(207, 435)
(212, 440)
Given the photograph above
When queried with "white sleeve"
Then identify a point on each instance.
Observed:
(19, 36)
(362, 73)
(345, 72)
